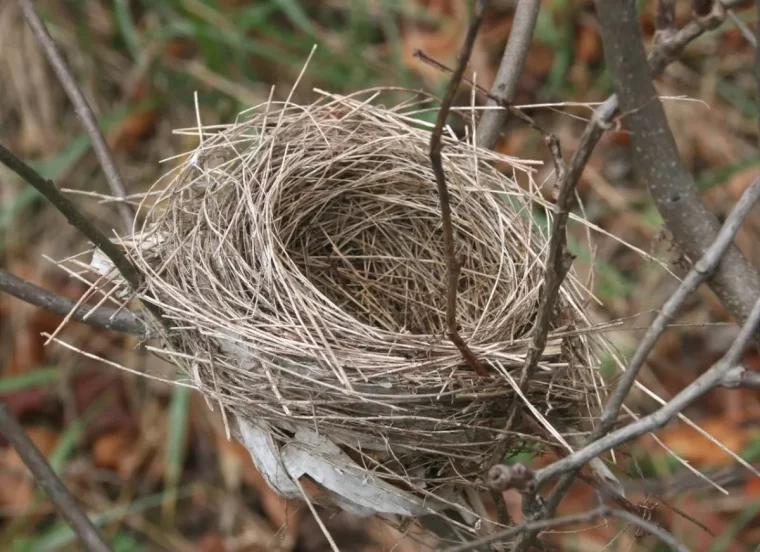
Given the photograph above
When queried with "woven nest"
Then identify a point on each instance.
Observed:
(299, 255)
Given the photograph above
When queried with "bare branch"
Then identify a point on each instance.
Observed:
(701, 7)
(510, 69)
(667, 49)
(757, 54)
(111, 319)
(658, 161)
(443, 192)
(700, 273)
(666, 18)
(740, 376)
(82, 108)
(78, 220)
(558, 264)
(714, 377)
(744, 29)
(587, 517)
(47, 479)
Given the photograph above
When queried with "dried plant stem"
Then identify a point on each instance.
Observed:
(588, 517)
(443, 193)
(510, 69)
(82, 108)
(111, 319)
(78, 220)
(50, 483)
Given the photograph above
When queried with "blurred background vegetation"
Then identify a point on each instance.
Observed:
(151, 460)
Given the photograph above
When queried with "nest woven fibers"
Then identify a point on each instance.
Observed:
(299, 256)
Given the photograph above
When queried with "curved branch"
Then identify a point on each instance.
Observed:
(121, 320)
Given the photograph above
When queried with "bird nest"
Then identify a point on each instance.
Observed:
(298, 255)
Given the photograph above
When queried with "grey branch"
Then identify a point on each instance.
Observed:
(659, 165)
(587, 517)
(47, 479)
(510, 69)
(666, 50)
(666, 17)
(78, 220)
(719, 374)
(701, 271)
(82, 108)
(121, 321)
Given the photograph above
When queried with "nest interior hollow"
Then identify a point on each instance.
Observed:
(299, 252)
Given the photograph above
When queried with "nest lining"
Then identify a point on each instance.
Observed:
(299, 254)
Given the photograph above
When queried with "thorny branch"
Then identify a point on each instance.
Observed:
(82, 108)
(50, 483)
(119, 320)
(443, 192)
(510, 69)
(599, 513)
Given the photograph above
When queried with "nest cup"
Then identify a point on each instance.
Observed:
(299, 256)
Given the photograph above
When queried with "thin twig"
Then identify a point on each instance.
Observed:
(119, 320)
(702, 7)
(666, 50)
(757, 56)
(79, 221)
(743, 28)
(443, 192)
(82, 108)
(719, 374)
(666, 17)
(47, 479)
(699, 274)
(558, 263)
(587, 517)
(510, 69)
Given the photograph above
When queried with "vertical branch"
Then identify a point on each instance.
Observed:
(666, 18)
(510, 69)
(82, 108)
(47, 479)
(757, 56)
(443, 192)
(701, 7)
(659, 166)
